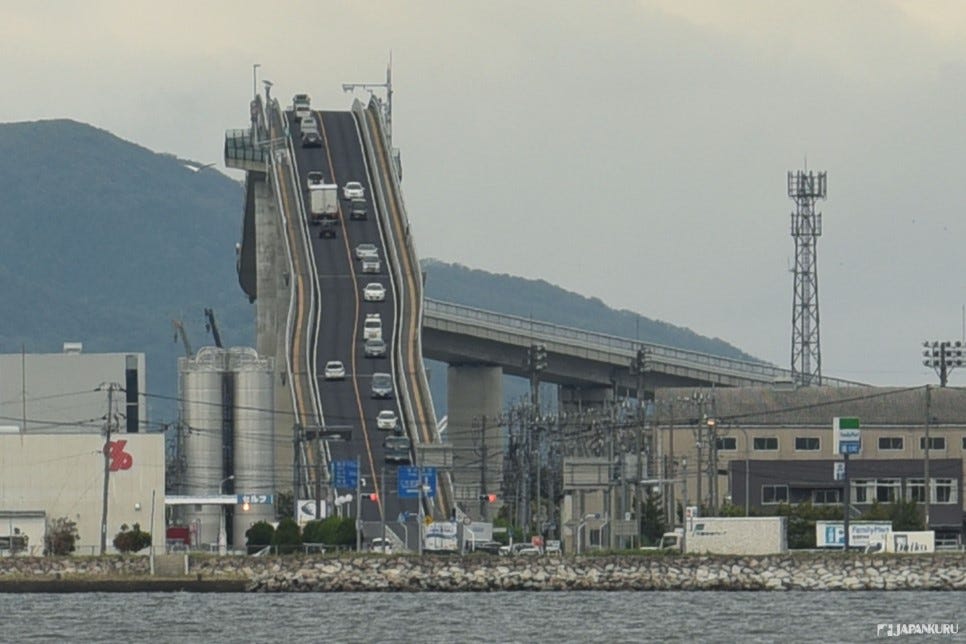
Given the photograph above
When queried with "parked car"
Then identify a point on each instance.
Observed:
(386, 419)
(375, 348)
(334, 370)
(353, 190)
(381, 545)
(525, 549)
(374, 292)
(366, 250)
(489, 547)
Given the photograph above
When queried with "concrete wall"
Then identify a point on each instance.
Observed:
(60, 388)
(63, 475)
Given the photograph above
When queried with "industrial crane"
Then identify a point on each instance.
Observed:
(179, 330)
(211, 325)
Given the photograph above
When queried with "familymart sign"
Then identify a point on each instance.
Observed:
(845, 432)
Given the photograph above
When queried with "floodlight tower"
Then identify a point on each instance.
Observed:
(804, 188)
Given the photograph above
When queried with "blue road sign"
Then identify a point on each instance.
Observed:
(345, 474)
(259, 499)
(849, 447)
(409, 480)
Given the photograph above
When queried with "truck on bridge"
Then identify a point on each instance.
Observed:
(323, 201)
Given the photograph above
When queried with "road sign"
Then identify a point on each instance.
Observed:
(409, 481)
(846, 435)
(345, 474)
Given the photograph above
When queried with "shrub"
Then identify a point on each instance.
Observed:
(313, 532)
(287, 537)
(261, 534)
(131, 540)
(61, 537)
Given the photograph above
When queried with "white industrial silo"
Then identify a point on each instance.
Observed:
(254, 440)
(202, 403)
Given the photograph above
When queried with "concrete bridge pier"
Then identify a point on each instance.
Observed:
(475, 402)
(574, 399)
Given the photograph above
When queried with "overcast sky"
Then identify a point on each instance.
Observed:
(631, 151)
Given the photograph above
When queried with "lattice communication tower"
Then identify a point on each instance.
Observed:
(805, 188)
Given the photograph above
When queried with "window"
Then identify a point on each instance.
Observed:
(935, 442)
(727, 444)
(805, 444)
(774, 493)
(890, 443)
(862, 491)
(915, 490)
(825, 496)
(944, 490)
(769, 443)
(887, 490)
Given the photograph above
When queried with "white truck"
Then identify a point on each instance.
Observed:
(729, 536)
(323, 201)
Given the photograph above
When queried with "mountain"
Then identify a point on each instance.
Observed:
(105, 242)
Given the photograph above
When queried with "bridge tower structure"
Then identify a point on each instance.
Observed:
(805, 188)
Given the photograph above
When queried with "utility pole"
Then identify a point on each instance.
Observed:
(318, 477)
(483, 490)
(639, 365)
(925, 466)
(107, 460)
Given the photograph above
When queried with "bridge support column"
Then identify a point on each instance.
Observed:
(271, 311)
(474, 403)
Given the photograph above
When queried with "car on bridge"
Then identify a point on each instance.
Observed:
(367, 250)
(387, 419)
(311, 140)
(353, 190)
(375, 348)
(334, 370)
(371, 265)
(396, 448)
(381, 385)
(315, 178)
(358, 209)
(327, 228)
(302, 105)
(372, 326)
(374, 292)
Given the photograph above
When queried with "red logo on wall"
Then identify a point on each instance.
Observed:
(120, 460)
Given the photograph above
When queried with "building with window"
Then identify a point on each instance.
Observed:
(761, 446)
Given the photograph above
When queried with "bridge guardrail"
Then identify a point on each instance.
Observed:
(596, 340)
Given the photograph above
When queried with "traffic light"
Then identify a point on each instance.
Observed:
(537, 357)
(373, 496)
(489, 498)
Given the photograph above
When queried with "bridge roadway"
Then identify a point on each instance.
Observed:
(339, 336)
(577, 358)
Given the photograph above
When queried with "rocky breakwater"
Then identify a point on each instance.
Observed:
(484, 574)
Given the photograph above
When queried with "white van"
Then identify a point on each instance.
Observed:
(372, 327)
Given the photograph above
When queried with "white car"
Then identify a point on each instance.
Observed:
(353, 190)
(334, 370)
(386, 420)
(372, 327)
(371, 265)
(367, 250)
(374, 292)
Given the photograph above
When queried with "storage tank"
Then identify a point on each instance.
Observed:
(254, 444)
(201, 413)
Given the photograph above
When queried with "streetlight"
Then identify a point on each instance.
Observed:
(222, 533)
(943, 356)
(255, 67)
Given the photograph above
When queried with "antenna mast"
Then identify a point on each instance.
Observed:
(805, 188)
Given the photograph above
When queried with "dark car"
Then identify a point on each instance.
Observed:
(328, 228)
(358, 209)
(489, 547)
(311, 140)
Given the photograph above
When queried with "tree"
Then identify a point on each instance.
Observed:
(61, 537)
(258, 536)
(284, 504)
(131, 540)
(652, 518)
(288, 536)
(313, 532)
(905, 515)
